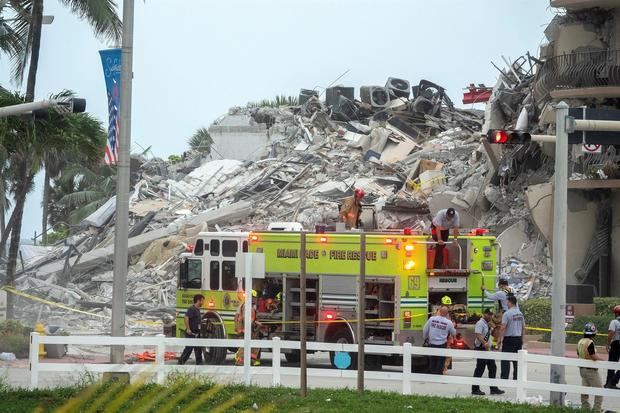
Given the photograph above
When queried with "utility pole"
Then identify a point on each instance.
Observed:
(361, 313)
(303, 329)
(119, 292)
(560, 205)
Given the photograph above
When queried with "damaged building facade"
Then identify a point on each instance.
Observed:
(579, 64)
(404, 143)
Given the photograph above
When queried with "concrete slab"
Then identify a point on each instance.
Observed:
(138, 244)
(512, 239)
(539, 199)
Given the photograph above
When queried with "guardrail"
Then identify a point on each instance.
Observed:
(407, 377)
(580, 70)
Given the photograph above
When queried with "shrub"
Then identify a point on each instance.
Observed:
(13, 327)
(601, 322)
(17, 344)
(537, 312)
(604, 305)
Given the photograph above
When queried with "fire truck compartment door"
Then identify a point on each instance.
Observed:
(447, 283)
(258, 265)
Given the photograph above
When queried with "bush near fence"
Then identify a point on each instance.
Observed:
(604, 306)
(537, 312)
(14, 338)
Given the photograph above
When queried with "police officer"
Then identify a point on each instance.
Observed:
(192, 329)
(586, 350)
(436, 331)
(613, 348)
(511, 335)
(483, 343)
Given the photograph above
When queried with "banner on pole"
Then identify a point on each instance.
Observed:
(111, 60)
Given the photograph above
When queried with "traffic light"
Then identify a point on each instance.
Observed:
(508, 137)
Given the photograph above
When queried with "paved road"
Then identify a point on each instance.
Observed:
(17, 374)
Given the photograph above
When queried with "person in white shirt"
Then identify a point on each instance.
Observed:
(436, 332)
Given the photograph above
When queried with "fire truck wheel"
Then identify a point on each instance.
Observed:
(293, 357)
(211, 329)
(342, 336)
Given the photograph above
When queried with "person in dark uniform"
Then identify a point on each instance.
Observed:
(192, 329)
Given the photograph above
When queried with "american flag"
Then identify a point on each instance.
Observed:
(111, 150)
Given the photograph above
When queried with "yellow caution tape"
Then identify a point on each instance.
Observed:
(66, 307)
(567, 331)
(50, 303)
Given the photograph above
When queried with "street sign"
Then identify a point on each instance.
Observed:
(598, 137)
(570, 313)
(591, 148)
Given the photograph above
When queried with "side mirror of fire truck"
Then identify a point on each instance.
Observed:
(183, 273)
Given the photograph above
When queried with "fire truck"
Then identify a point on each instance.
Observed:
(401, 288)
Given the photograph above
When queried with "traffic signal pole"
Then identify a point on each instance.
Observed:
(560, 205)
(564, 125)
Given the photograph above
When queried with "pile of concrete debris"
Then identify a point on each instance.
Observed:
(413, 154)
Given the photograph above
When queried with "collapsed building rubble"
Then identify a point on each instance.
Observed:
(413, 154)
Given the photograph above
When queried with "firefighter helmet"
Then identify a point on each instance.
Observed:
(359, 193)
(589, 329)
(446, 300)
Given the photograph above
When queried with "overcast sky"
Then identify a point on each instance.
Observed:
(193, 59)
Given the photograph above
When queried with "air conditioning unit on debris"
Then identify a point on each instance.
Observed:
(306, 94)
(344, 109)
(333, 93)
(376, 96)
(398, 87)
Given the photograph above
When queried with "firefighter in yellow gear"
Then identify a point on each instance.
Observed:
(586, 350)
(240, 330)
(352, 209)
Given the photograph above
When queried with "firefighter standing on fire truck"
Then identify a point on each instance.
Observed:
(445, 220)
(351, 209)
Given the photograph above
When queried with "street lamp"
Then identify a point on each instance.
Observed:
(65, 106)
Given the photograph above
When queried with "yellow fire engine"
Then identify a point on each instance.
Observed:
(401, 289)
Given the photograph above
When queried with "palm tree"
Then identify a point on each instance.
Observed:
(28, 143)
(201, 141)
(101, 15)
(80, 191)
(86, 151)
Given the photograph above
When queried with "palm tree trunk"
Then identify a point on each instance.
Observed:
(35, 26)
(5, 235)
(45, 206)
(20, 201)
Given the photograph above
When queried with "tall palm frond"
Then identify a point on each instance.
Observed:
(201, 141)
(101, 15)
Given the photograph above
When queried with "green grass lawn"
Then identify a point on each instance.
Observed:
(184, 395)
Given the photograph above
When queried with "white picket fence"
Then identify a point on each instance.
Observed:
(407, 377)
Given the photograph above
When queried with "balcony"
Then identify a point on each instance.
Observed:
(580, 76)
(585, 4)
